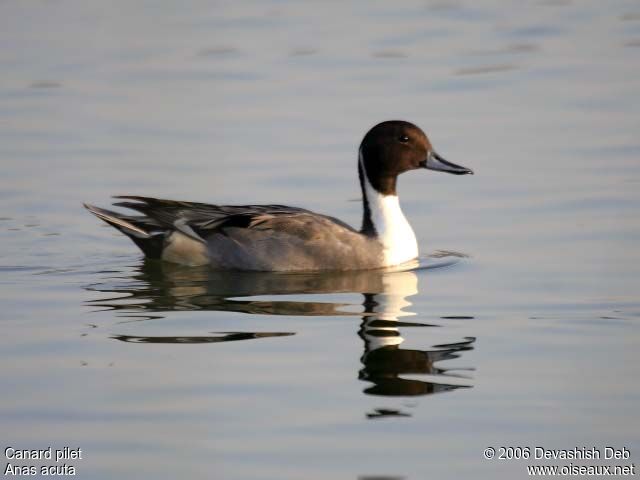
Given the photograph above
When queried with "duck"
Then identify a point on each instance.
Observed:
(280, 238)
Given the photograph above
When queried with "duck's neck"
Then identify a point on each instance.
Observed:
(383, 219)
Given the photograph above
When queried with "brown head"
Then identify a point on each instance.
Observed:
(394, 147)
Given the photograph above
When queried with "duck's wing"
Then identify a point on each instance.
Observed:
(205, 219)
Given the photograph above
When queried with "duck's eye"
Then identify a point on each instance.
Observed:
(404, 139)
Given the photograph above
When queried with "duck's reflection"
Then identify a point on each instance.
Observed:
(156, 287)
(385, 361)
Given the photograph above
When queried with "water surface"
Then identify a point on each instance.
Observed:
(527, 338)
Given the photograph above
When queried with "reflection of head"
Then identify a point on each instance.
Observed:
(384, 367)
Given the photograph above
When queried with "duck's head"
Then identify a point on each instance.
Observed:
(394, 147)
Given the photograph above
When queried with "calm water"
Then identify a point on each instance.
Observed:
(527, 336)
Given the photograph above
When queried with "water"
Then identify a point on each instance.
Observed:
(529, 338)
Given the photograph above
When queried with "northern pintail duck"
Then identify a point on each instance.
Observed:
(282, 238)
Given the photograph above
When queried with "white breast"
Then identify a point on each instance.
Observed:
(393, 229)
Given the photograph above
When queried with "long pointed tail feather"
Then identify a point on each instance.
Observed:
(150, 242)
(116, 220)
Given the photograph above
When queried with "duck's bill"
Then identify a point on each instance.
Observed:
(436, 162)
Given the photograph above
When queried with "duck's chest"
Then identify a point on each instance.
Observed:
(393, 230)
